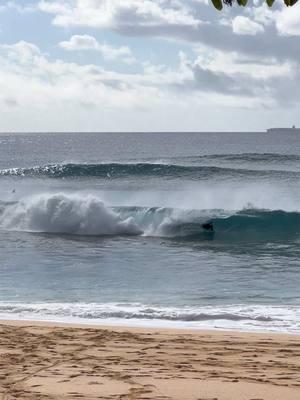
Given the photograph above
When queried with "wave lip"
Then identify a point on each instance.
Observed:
(119, 170)
(241, 317)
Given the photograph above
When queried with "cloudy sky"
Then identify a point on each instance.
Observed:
(147, 65)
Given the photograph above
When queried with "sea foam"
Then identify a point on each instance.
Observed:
(61, 213)
(242, 317)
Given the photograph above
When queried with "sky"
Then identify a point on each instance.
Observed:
(148, 65)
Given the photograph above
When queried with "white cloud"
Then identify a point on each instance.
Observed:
(87, 42)
(245, 26)
(28, 76)
(288, 21)
(55, 7)
(32, 81)
(18, 7)
(284, 19)
(249, 60)
(80, 42)
(38, 93)
(117, 13)
(235, 63)
(263, 14)
(22, 52)
(179, 21)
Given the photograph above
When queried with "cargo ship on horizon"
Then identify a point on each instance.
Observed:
(284, 130)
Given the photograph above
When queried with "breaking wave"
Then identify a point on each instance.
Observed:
(119, 170)
(88, 215)
(59, 213)
(242, 317)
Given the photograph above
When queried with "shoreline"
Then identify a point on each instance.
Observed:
(277, 319)
(46, 360)
(139, 328)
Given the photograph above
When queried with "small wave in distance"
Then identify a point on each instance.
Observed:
(142, 170)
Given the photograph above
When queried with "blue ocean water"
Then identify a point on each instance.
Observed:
(107, 228)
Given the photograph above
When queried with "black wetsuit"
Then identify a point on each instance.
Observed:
(208, 226)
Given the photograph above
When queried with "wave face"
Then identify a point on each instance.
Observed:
(116, 170)
(245, 317)
(88, 215)
(261, 224)
(255, 157)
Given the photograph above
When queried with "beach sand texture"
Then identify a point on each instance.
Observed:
(44, 361)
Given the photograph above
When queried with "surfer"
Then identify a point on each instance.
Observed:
(208, 226)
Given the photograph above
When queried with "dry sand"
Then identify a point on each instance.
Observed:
(44, 361)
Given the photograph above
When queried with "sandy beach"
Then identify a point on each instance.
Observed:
(47, 361)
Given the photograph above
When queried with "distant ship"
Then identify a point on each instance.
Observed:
(284, 130)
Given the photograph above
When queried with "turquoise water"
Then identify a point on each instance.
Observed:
(107, 228)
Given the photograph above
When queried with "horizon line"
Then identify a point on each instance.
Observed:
(126, 132)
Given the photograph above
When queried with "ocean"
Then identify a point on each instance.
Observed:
(107, 229)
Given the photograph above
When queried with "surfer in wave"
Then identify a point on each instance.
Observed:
(208, 226)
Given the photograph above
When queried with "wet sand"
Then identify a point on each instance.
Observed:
(47, 361)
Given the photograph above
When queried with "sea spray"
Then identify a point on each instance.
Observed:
(61, 213)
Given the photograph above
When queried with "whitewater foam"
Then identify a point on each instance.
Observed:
(61, 213)
(241, 317)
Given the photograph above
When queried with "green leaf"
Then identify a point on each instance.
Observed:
(243, 2)
(270, 2)
(218, 4)
(290, 3)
